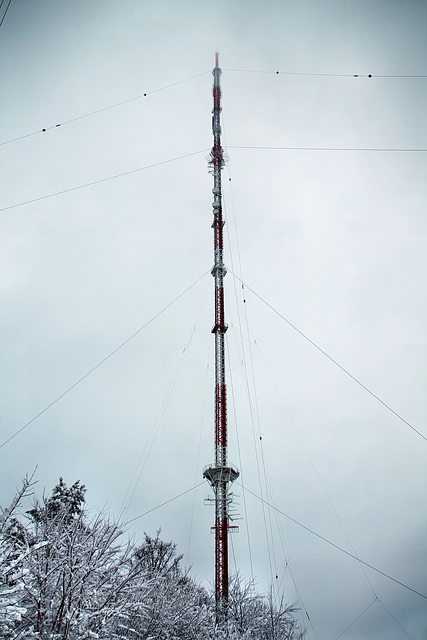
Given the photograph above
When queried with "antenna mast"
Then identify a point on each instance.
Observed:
(220, 474)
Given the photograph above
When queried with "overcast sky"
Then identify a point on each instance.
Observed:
(333, 240)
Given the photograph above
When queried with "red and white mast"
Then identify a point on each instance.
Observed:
(220, 474)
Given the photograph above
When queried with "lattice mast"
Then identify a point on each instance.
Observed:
(221, 473)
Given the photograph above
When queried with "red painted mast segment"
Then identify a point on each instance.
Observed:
(221, 473)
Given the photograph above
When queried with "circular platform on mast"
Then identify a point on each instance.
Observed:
(220, 474)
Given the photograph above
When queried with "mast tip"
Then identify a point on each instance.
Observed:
(217, 59)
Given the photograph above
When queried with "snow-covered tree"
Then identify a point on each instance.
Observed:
(66, 576)
(13, 553)
(175, 607)
(250, 615)
(64, 501)
(157, 557)
(79, 574)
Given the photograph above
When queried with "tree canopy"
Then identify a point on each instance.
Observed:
(66, 576)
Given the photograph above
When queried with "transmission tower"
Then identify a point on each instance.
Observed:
(221, 473)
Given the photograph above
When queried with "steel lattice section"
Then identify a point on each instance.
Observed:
(221, 474)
